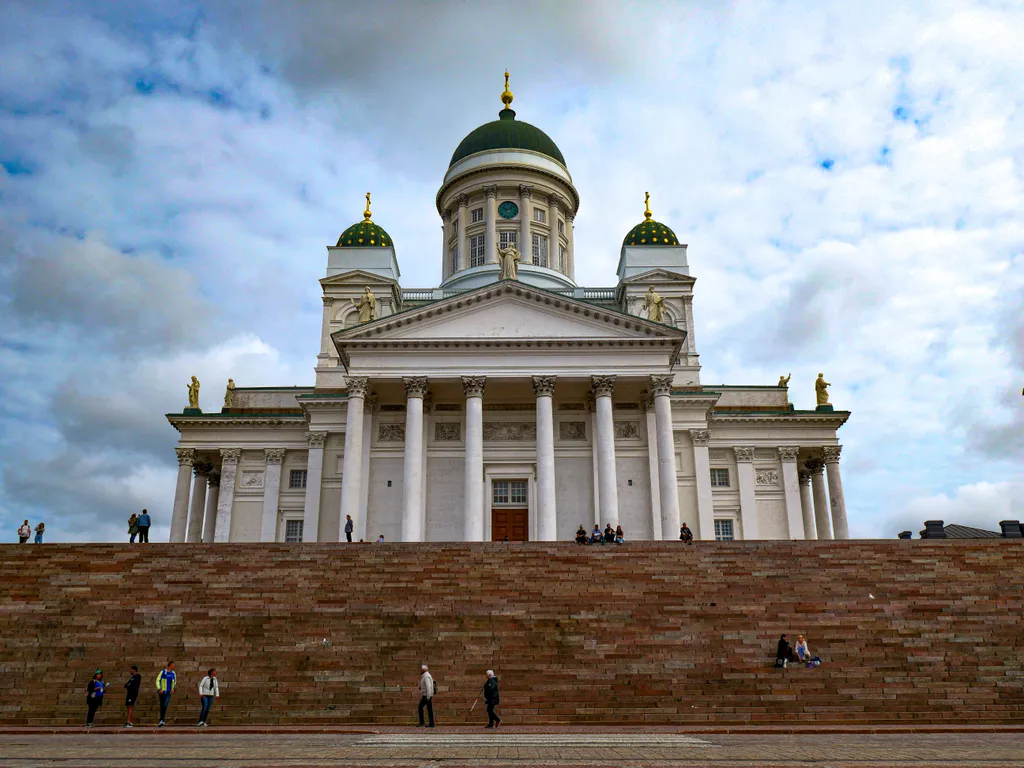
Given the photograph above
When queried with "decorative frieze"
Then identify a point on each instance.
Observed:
(447, 431)
(572, 430)
(627, 430)
(415, 386)
(602, 386)
(766, 477)
(505, 431)
(316, 439)
(700, 436)
(391, 433)
(744, 453)
(543, 386)
(473, 386)
(252, 480)
(831, 453)
(766, 454)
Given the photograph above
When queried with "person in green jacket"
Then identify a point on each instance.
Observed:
(165, 682)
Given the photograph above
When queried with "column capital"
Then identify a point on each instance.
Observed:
(415, 386)
(473, 386)
(554, 199)
(543, 386)
(328, 300)
(788, 452)
(602, 386)
(230, 456)
(274, 455)
(491, 190)
(815, 466)
(646, 400)
(316, 439)
(357, 385)
(463, 200)
(744, 453)
(213, 479)
(804, 476)
(428, 402)
(525, 191)
(202, 468)
(700, 437)
(831, 453)
(186, 456)
(446, 215)
(591, 402)
(661, 384)
(569, 216)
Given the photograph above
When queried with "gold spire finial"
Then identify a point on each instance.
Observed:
(366, 213)
(647, 206)
(506, 96)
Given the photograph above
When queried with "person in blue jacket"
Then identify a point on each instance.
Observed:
(166, 680)
(94, 696)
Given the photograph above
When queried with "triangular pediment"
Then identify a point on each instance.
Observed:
(664, 275)
(509, 310)
(358, 277)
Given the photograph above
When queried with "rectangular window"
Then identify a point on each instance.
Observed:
(453, 256)
(561, 227)
(508, 492)
(507, 237)
(540, 250)
(297, 478)
(477, 214)
(561, 258)
(455, 226)
(476, 251)
(293, 531)
(719, 478)
(723, 530)
(539, 215)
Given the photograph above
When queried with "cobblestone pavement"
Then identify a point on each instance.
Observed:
(145, 748)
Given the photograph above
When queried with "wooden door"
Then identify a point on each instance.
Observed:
(513, 523)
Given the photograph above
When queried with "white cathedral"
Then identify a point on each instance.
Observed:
(508, 402)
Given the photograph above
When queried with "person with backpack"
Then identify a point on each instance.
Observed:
(144, 524)
(24, 532)
(94, 696)
(131, 694)
(208, 691)
(133, 528)
(427, 690)
(166, 680)
(491, 699)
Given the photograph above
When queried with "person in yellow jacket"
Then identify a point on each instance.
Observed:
(165, 682)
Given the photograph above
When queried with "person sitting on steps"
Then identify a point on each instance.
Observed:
(685, 534)
(581, 535)
(802, 651)
(595, 537)
(609, 534)
(784, 653)
(620, 537)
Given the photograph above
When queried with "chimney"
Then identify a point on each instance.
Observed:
(933, 529)
(1010, 529)
(904, 534)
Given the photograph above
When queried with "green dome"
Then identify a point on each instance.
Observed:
(650, 232)
(507, 133)
(365, 234)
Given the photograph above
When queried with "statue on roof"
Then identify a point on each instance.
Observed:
(193, 393)
(655, 306)
(229, 394)
(509, 259)
(821, 389)
(367, 305)
(784, 380)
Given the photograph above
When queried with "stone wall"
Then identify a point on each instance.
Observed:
(922, 631)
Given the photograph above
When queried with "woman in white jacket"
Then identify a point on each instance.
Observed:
(208, 691)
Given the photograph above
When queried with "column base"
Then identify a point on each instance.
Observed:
(192, 412)
(825, 409)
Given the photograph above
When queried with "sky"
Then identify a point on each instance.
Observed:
(849, 178)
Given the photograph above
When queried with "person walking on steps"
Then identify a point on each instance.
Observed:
(427, 690)
(349, 527)
(166, 680)
(208, 691)
(24, 532)
(131, 694)
(144, 523)
(491, 699)
(94, 696)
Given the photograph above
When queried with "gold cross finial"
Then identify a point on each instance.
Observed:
(366, 213)
(506, 96)
(647, 206)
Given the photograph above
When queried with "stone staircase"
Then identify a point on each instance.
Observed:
(655, 633)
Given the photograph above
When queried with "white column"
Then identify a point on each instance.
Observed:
(652, 467)
(571, 255)
(791, 489)
(525, 244)
(428, 406)
(412, 486)
(821, 521)
(602, 387)
(314, 479)
(595, 479)
(446, 236)
(745, 480)
(490, 217)
(228, 470)
(806, 509)
(668, 486)
(702, 469)
(195, 512)
(463, 240)
(473, 527)
(835, 491)
(359, 534)
(179, 512)
(210, 516)
(553, 241)
(547, 521)
(271, 493)
(352, 460)
(325, 329)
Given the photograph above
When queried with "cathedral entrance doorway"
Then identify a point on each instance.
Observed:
(510, 516)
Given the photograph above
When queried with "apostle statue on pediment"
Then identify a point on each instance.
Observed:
(367, 306)
(509, 259)
(655, 306)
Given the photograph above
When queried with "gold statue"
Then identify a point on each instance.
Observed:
(509, 259)
(229, 394)
(367, 305)
(784, 380)
(193, 393)
(655, 306)
(821, 389)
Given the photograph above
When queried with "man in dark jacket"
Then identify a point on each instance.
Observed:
(349, 527)
(131, 694)
(491, 698)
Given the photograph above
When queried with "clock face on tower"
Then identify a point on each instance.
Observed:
(508, 210)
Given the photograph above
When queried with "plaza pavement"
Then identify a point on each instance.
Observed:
(521, 747)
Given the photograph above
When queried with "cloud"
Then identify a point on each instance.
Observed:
(979, 505)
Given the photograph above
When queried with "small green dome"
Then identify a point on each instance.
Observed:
(651, 233)
(507, 133)
(365, 234)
